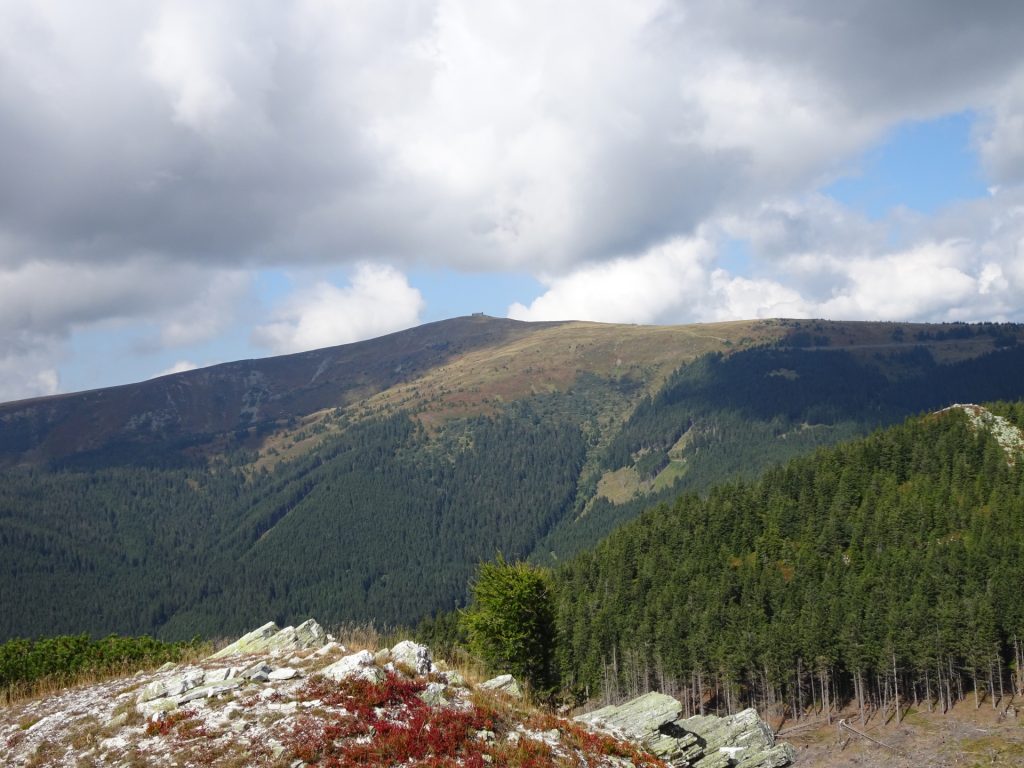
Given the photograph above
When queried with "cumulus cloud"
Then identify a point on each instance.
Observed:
(671, 283)
(478, 135)
(644, 289)
(377, 301)
(817, 260)
(578, 141)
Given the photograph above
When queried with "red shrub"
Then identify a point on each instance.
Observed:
(162, 726)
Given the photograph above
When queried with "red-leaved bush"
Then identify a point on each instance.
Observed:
(382, 724)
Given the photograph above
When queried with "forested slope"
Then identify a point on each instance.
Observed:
(535, 441)
(889, 563)
(379, 524)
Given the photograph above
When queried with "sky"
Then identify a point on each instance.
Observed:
(186, 183)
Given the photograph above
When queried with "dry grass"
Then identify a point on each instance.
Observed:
(367, 636)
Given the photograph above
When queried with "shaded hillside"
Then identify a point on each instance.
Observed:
(887, 563)
(164, 415)
(535, 440)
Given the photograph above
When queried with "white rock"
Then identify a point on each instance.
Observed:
(284, 673)
(413, 655)
(216, 675)
(503, 684)
(193, 678)
(258, 671)
(331, 647)
(346, 665)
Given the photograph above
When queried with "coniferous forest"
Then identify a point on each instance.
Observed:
(883, 572)
(387, 516)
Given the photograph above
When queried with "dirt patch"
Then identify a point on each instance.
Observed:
(965, 737)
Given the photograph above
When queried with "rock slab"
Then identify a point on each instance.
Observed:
(742, 740)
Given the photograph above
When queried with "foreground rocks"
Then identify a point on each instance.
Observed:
(742, 740)
(285, 698)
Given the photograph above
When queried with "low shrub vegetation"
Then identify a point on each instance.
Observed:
(28, 666)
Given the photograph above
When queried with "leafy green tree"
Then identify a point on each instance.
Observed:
(510, 621)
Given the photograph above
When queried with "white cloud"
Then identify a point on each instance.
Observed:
(179, 367)
(474, 135)
(818, 260)
(154, 153)
(676, 282)
(643, 289)
(377, 301)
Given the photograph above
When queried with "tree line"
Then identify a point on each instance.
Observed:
(885, 571)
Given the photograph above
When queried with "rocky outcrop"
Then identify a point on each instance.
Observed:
(281, 708)
(1009, 437)
(356, 665)
(742, 740)
(414, 656)
(270, 639)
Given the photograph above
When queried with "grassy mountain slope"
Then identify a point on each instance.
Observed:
(371, 478)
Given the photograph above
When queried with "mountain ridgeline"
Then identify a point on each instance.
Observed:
(366, 482)
(888, 565)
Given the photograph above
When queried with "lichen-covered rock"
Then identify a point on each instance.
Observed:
(307, 635)
(209, 689)
(225, 673)
(185, 682)
(359, 665)
(503, 684)
(174, 686)
(638, 718)
(150, 708)
(270, 639)
(705, 741)
(434, 695)
(259, 672)
(744, 739)
(329, 648)
(155, 690)
(416, 657)
(648, 720)
(251, 642)
(454, 679)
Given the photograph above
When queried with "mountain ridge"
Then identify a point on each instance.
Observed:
(379, 507)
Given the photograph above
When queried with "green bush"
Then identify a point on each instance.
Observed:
(510, 622)
(62, 658)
